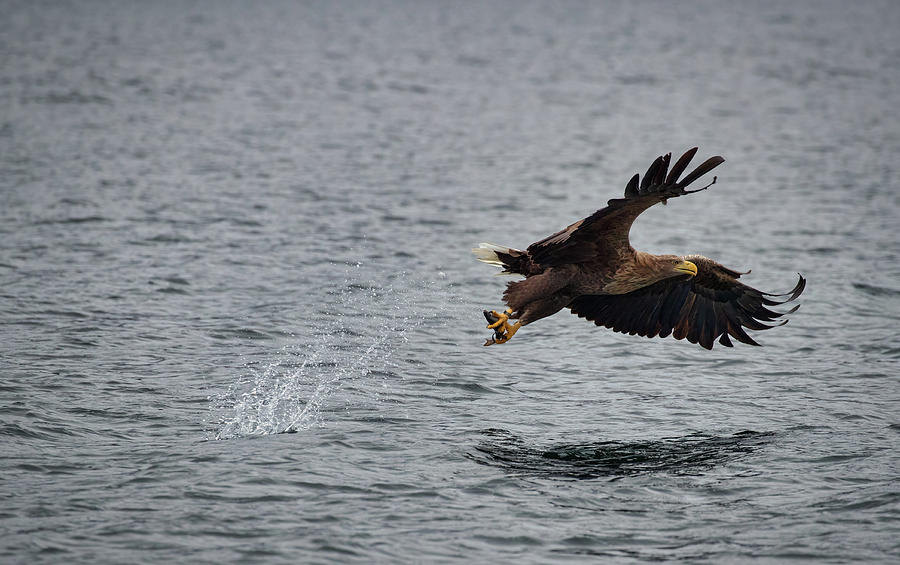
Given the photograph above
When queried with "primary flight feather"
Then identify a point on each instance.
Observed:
(591, 268)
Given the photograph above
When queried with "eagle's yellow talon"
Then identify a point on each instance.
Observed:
(501, 319)
(499, 322)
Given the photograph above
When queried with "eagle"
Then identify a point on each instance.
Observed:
(591, 268)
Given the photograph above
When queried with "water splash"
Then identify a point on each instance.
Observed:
(355, 342)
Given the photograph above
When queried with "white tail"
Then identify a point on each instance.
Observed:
(487, 253)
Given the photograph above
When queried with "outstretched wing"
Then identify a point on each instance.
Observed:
(605, 232)
(710, 305)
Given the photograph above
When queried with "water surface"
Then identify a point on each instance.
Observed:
(240, 321)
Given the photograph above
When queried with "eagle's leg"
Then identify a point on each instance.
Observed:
(499, 322)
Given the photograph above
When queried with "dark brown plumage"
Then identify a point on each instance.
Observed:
(591, 268)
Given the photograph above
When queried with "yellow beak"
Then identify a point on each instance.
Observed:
(686, 268)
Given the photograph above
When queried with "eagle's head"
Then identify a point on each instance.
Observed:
(681, 266)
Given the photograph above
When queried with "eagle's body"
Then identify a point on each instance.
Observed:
(591, 268)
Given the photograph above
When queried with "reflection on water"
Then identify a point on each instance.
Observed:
(686, 455)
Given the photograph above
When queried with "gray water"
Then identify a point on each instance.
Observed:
(240, 320)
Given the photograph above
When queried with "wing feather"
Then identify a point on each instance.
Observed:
(680, 166)
(604, 233)
(706, 167)
(725, 340)
(713, 305)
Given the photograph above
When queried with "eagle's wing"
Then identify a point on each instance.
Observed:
(605, 232)
(710, 305)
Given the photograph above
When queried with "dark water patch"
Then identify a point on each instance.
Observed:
(239, 333)
(467, 386)
(118, 414)
(78, 342)
(85, 329)
(859, 500)
(873, 290)
(820, 250)
(578, 165)
(888, 351)
(50, 468)
(408, 87)
(164, 239)
(70, 97)
(210, 494)
(41, 430)
(69, 201)
(687, 455)
(172, 290)
(425, 221)
(510, 541)
(176, 280)
(63, 313)
(240, 222)
(75, 220)
(377, 419)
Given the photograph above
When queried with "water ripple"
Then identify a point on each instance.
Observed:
(685, 455)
